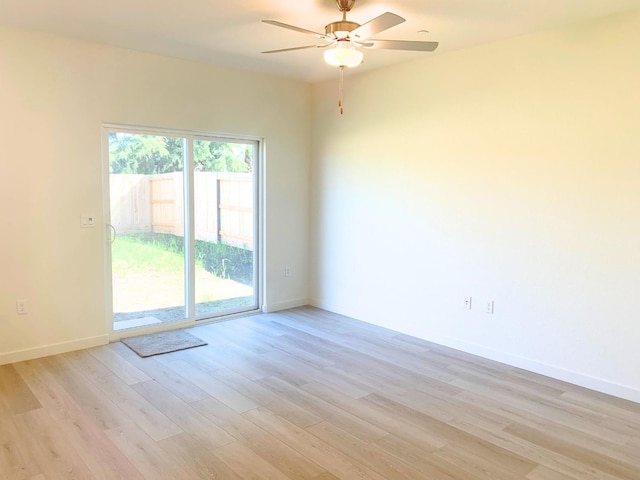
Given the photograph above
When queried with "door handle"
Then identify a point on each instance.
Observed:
(113, 234)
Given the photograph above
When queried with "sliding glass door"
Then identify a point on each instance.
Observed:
(183, 217)
(224, 198)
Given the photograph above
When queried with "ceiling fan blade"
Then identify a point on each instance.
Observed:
(402, 45)
(296, 48)
(297, 29)
(377, 25)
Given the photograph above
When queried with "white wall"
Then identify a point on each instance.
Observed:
(509, 172)
(54, 95)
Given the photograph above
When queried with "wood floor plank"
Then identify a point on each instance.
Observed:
(436, 406)
(299, 373)
(511, 385)
(335, 354)
(457, 440)
(247, 464)
(329, 457)
(90, 444)
(120, 349)
(70, 426)
(261, 442)
(575, 418)
(472, 465)
(212, 386)
(178, 384)
(15, 455)
(540, 454)
(336, 416)
(522, 412)
(233, 358)
(532, 383)
(87, 364)
(367, 454)
(15, 395)
(326, 476)
(86, 394)
(242, 337)
(306, 394)
(200, 358)
(592, 458)
(49, 449)
(146, 454)
(281, 405)
(285, 344)
(386, 420)
(138, 409)
(358, 363)
(317, 330)
(611, 409)
(634, 443)
(421, 459)
(345, 382)
(183, 414)
(544, 473)
(118, 365)
(49, 391)
(388, 354)
(188, 452)
(211, 333)
(289, 368)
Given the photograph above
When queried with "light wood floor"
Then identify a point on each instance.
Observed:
(305, 394)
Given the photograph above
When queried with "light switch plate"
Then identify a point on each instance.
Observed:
(87, 221)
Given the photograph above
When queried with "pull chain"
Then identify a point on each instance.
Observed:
(340, 90)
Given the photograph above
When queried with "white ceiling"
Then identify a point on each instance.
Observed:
(230, 33)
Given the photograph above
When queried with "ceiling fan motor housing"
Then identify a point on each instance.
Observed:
(345, 5)
(343, 26)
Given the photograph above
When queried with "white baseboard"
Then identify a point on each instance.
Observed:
(54, 349)
(575, 378)
(329, 307)
(277, 306)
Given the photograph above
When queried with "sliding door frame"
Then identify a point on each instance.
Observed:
(188, 138)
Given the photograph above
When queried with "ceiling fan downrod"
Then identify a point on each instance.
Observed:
(342, 28)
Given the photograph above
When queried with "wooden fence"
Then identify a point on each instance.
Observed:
(223, 205)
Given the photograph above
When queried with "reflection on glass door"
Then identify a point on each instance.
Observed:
(184, 215)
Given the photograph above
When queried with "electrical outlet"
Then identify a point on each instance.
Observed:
(22, 307)
(489, 307)
(467, 303)
(287, 271)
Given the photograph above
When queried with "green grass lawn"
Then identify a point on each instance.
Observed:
(130, 255)
(147, 276)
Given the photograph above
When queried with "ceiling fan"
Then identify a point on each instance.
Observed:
(345, 34)
(346, 37)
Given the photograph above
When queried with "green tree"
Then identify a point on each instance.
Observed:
(151, 154)
(222, 156)
(144, 154)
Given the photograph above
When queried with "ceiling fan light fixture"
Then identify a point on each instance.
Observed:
(343, 55)
(345, 35)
